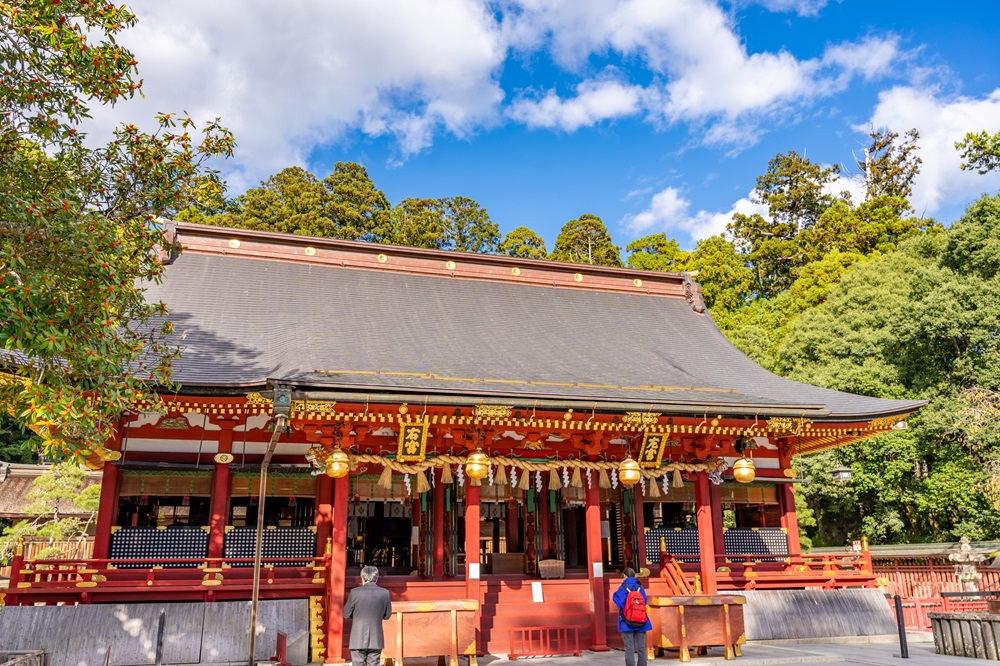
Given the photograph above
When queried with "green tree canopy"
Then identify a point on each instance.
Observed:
(523, 242)
(359, 210)
(656, 253)
(586, 240)
(78, 233)
(980, 151)
(890, 164)
(921, 321)
(57, 492)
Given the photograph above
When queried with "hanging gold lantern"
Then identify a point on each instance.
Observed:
(477, 465)
(337, 464)
(628, 472)
(743, 470)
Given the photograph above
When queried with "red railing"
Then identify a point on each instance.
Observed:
(915, 609)
(929, 580)
(86, 579)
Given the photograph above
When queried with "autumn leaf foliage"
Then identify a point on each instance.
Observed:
(79, 237)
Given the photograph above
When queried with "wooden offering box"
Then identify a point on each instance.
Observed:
(431, 629)
(696, 621)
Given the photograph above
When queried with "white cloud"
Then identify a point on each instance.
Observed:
(871, 58)
(668, 212)
(703, 73)
(800, 7)
(595, 101)
(941, 122)
(288, 76)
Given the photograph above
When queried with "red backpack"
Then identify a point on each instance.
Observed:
(634, 610)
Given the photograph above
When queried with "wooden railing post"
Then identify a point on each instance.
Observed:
(16, 564)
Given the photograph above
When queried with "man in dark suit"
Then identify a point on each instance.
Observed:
(367, 605)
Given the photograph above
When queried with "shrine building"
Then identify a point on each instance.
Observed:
(466, 423)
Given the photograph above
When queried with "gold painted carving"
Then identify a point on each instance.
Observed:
(515, 271)
(108, 454)
(784, 424)
(412, 442)
(320, 407)
(223, 458)
(256, 399)
(173, 423)
(492, 411)
(642, 419)
(886, 422)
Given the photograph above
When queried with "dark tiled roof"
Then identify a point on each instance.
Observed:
(245, 321)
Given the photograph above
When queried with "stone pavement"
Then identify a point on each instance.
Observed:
(921, 650)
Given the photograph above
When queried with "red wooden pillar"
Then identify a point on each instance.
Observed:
(786, 503)
(107, 511)
(437, 570)
(323, 517)
(511, 528)
(718, 531)
(595, 571)
(640, 526)
(472, 512)
(221, 492)
(706, 533)
(336, 575)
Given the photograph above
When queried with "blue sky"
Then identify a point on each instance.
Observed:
(656, 115)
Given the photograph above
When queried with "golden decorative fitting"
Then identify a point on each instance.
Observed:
(337, 464)
(744, 471)
(256, 399)
(310, 251)
(515, 271)
(450, 265)
(492, 411)
(404, 408)
(477, 465)
(578, 277)
(382, 258)
(790, 473)
(642, 419)
(637, 282)
(234, 243)
(628, 472)
(568, 416)
(108, 454)
(19, 546)
(223, 458)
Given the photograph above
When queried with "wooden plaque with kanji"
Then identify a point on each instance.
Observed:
(652, 450)
(412, 442)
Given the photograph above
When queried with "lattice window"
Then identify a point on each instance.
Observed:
(150, 543)
(757, 541)
(275, 542)
(679, 542)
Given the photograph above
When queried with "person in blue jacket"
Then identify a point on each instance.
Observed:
(633, 638)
